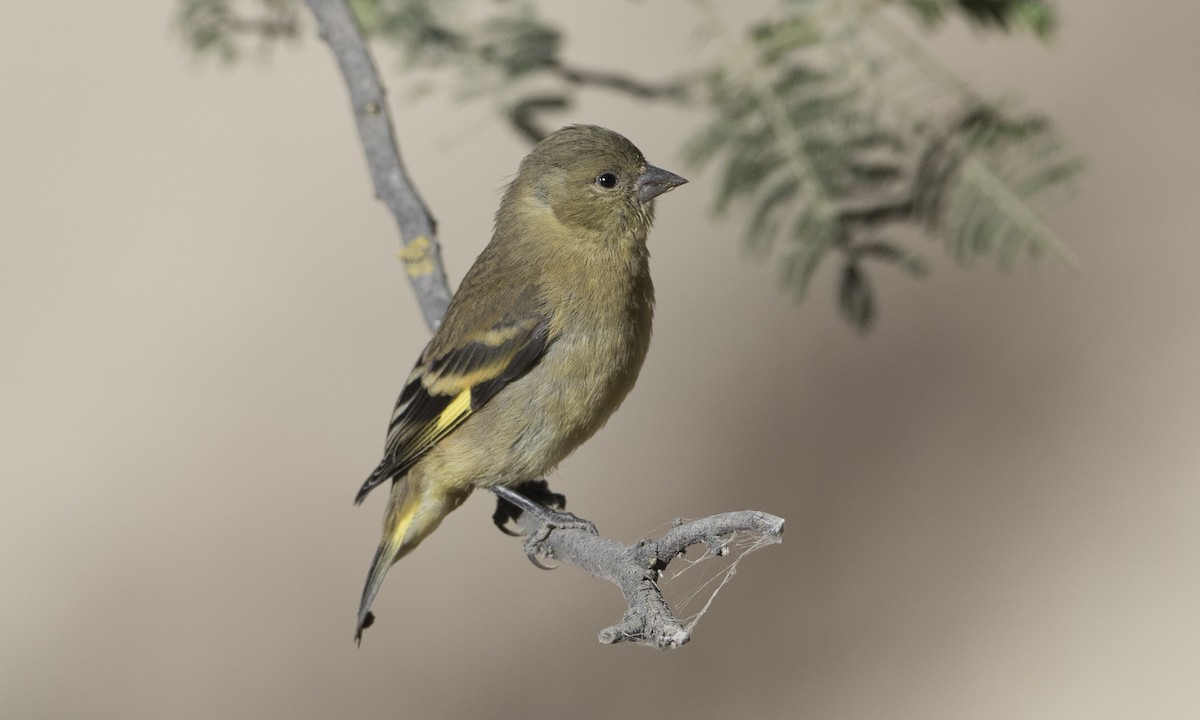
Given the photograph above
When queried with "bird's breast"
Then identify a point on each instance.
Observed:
(600, 334)
(598, 353)
(600, 339)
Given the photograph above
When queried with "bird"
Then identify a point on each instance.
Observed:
(541, 343)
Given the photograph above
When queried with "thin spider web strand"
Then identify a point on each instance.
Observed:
(739, 545)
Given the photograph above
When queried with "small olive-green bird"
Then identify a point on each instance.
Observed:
(541, 343)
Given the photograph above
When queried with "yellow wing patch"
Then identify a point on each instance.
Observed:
(455, 412)
(450, 383)
(448, 419)
(445, 389)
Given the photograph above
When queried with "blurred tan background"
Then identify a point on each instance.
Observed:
(992, 500)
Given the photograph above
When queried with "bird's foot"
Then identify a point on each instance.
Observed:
(535, 491)
(551, 518)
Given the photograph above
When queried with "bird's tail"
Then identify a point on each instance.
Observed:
(413, 512)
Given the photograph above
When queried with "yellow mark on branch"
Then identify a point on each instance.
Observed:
(416, 257)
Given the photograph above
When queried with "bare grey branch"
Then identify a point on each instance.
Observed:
(418, 229)
(636, 568)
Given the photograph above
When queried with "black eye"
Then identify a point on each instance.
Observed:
(606, 180)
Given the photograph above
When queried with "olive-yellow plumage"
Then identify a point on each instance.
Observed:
(541, 343)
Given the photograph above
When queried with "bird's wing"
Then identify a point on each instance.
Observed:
(446, 387)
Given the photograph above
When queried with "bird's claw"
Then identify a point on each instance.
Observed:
(537, 491)
(506, 511)
(554, 520)
(563, 520)
(531, 552)
(512, 503)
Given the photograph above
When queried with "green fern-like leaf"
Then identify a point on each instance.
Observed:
(825, 157)
(856, 300)
(205, 27)
(1035, 15)
(994, 173)
(827, 125)
(811, 238)
(218, 29)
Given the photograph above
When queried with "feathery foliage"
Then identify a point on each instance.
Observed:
(837, 134)
(831, 131)
(222, 28)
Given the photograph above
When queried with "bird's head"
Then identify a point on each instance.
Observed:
(594, 178)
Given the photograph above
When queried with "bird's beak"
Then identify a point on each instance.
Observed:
(654, 182)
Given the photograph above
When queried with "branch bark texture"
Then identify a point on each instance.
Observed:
(633, 568)
(421, 253)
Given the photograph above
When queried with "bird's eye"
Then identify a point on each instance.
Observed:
(606, 180)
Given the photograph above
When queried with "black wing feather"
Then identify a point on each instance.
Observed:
(418, 421)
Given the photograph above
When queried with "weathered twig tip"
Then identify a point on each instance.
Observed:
(634, 629)
(771, 525)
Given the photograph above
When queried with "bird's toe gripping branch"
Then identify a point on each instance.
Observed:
(512, 504)
(536, 491)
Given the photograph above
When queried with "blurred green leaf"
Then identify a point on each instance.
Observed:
(827, 125)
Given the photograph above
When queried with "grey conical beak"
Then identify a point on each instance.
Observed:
(654, 182)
